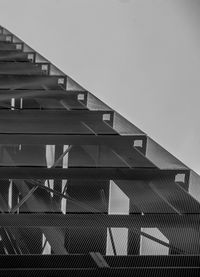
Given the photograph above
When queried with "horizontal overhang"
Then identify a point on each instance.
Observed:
(16, 56)
(54, 122)
(31, 81)
(87, 173)
(99, 220)
(6, 94)
(68, 139)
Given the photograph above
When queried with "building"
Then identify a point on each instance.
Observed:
(83, 189)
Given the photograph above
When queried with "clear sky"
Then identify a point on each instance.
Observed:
(141, 57)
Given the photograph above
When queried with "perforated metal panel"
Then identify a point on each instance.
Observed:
(82, 188)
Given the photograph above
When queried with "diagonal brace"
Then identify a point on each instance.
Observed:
(26, 197)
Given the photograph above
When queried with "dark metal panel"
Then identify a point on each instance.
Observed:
(145, 199)
(174, 194)
(86, 173)
(27, 155)
(79, 156)
(130, 155)
(4, 45)
(44, 99)
(86, 240)
(187, 238)
(26, 68)
(37, 203)
(94, 156)
(47, 104)
(30, 82)
(66, 139)
(79, 240)
(5, 37)
(13, 56)
(46, 261)
(29, 240)
(72, 103)
(30, 93)
(154, 262)
(159, 196)
(52, 122)
(44, 126)
(88, 192)
(101, 220)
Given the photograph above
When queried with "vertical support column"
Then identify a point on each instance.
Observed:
(14, 195)
(64, 182)
(133, 242)
(134, 238)
(57, 182)
(4, 192)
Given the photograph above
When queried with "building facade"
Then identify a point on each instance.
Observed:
(83, 189)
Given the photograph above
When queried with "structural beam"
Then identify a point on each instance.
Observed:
(89, 220)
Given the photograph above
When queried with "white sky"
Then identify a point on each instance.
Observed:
(141, 57)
